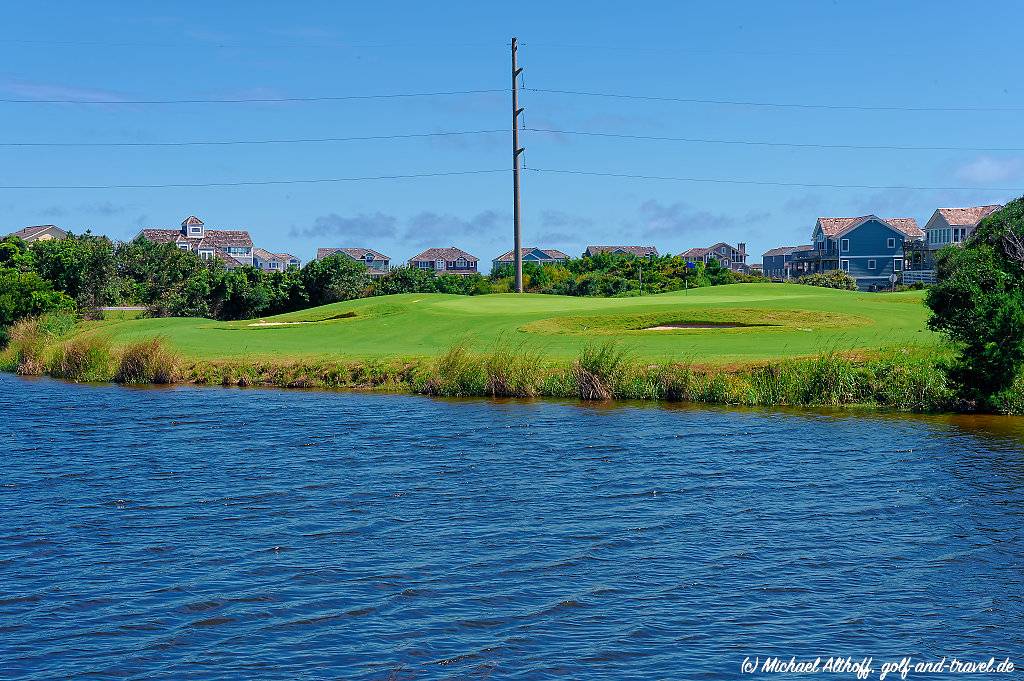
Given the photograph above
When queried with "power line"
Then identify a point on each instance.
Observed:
(240, 45)
(767, 183)
(249, 183)
(301, 140)
(780, 105)
(797, 145)
(256, 100)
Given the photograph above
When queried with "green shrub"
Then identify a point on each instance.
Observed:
(831, 279)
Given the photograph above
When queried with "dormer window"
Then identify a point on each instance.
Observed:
(369, 257)
(195, 230)
(461, 262)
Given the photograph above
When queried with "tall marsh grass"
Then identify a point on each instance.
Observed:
(86, 359)
(148, 361)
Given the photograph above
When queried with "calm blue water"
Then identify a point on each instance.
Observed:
(224, 534)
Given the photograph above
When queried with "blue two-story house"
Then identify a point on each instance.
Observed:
(869, 248)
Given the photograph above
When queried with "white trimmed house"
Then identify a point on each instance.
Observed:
(449, 260)
(376, 262)
(232, 246)
(273, 262)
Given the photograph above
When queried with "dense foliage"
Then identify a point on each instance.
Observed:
(979, 304)
(831, 279)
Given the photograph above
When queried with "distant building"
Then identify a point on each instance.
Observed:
(953, 225)
(869, 248)
(533, 254)
(638, 251)
(232, 246)
(450, 260)
(273, 262)
(40, 233)
(376, 262)
(730, 257)
(775, 263)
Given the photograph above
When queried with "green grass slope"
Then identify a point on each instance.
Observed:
(782, 320)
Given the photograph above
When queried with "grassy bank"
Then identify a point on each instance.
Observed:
(902, 380)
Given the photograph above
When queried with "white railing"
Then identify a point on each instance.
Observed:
(919, 276)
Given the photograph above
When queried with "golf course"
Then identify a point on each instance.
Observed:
(731, 325)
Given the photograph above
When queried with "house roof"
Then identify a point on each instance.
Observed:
(550, 252)
(29, 232)
(633, 250)
(781, 250)
(450, 253)
(833, 227)
(191, 220)
(701, 252)
(967, 217)
(357, 253)
(212, 238)
(264, 254)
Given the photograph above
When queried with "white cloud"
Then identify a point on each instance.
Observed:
(990, 169)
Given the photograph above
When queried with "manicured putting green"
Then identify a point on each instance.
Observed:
(734, 324)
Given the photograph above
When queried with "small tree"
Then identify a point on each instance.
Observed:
(334, 279)
(978, 303)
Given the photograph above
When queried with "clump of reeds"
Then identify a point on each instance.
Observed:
(29, 339)
(598, 371)
(86, 358)
(148, 361)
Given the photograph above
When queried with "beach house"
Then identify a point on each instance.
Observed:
(232, 246)
(731, 257)
(869, 248)
(449, 260)
(541, 256)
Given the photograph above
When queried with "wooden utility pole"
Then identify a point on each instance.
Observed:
(517, 250)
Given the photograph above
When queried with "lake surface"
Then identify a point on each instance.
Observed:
(224, 534)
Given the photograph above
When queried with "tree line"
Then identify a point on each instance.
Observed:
(85, 273)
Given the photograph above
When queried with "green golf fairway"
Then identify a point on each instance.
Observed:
(782, 320)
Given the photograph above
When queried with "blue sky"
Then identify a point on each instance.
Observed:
(862, 54)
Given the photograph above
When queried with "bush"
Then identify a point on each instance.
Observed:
(831, 279)
(149, 361)
(598, 370)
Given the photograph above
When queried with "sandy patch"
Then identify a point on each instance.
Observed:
(674, 327)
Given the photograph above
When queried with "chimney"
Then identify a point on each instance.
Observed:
(742, 248)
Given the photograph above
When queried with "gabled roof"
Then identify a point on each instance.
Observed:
(211, 240)
(641, 251)
(266, 255)
(357, 253)
(29, 232)
(191, 220)
(450, 253)
(833, 227)
(967, 217)
(549, 252)
(781, 250)
(225, 238)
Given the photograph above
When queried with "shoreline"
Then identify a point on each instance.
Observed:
(897, 381)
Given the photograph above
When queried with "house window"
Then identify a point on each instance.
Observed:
(844, 265)
(183, 247)
(369, 258)
(205, 255)
(844, 245)
(890, 242)
(423, 264)
(897, 264)
(196, 230)
(439, 265)
(871, 264)
(461, 262)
